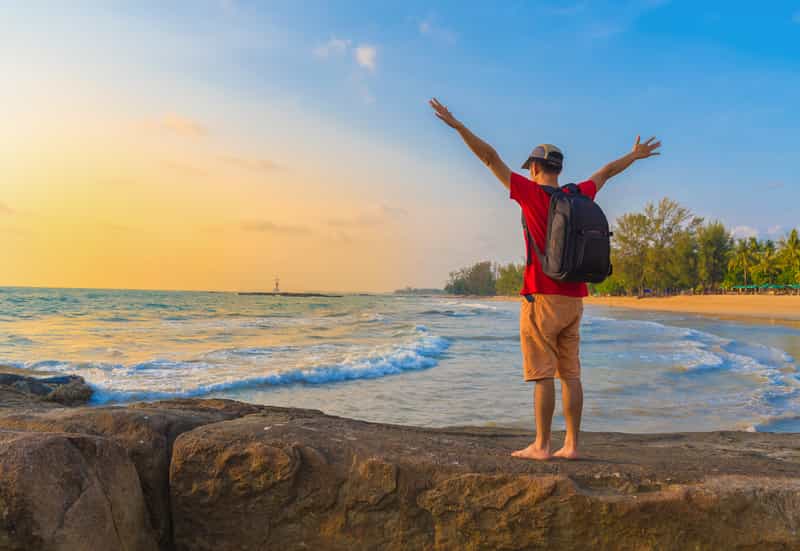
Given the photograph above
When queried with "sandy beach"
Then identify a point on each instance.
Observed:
(783, 308)
(764, 307)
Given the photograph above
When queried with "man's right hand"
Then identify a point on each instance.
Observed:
(646, 149)
(443, 113)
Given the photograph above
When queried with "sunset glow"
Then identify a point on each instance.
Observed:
(219, 146)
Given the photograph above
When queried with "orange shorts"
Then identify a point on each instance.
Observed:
(549, 334)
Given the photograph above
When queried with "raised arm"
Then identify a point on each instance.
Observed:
(480, 148)
(639, 151)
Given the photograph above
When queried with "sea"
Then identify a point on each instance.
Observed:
(429, 361)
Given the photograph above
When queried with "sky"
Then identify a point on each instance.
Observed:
(214, 145)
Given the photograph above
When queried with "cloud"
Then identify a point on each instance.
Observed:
(256, 165)
(393, 212)
(114, 182)
(775, 230)
(376, 217)
(266, 226)
(333, 47)
(775, 185)
(428, 27)
(183, 126)
(228, 6)
(796, 17)
(341, 237)
(603, 24)
(367, 56)
(5, 209)
(184, 168)
(743, 232)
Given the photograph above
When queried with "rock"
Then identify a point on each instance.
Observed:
(70, 492)
(218, 474)
(69, 390)
(146, 431)
(294, 479)
(70, 393)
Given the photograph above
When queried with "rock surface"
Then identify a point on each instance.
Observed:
(296, 479)
(217, 474)
(61, 491)
(17, 386)
(145, 431)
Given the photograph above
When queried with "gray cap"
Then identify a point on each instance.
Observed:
(546, 153)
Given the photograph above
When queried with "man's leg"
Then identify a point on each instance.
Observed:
(572, 400)
(544, 402)
(539, 360)
(569, 370)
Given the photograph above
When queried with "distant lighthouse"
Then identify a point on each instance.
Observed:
(277, 288)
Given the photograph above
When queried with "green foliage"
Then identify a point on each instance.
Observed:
(714, 245)
(509, 279)
(740, 265)
(767, 269)
(613, 285)
(478, 279)
(664, 249)
(790, 258)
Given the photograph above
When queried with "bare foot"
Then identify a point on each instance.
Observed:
(566, 453)
(533, 452)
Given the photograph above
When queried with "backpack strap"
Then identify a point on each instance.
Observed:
(549, 190)
(531, 243)
(572, 188)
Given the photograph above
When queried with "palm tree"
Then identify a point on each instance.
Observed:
(767, 266)
(743, 257)
(790, 251)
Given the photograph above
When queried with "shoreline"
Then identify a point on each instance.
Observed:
(775, 309)
(780, 309)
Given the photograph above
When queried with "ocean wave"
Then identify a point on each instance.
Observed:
(423, 353)
(487, 338)
(786, 422)
(476, 305)
(691, 351)
(255, 351)
(447, 313)
(115, 319)
(19, 340)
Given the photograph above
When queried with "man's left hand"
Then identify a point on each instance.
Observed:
(443, 113)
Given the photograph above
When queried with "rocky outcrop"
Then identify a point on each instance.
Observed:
(301, 480)
(145, 431)
(68, 390)
(67, 491)
(216, 474)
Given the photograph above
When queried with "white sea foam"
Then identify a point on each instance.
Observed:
(423, 353)
(476, 305)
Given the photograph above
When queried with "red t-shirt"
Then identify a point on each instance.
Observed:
(535, 203)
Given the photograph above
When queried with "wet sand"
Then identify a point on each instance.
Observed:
(780, 308)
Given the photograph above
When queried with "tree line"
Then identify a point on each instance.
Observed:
(664, 249)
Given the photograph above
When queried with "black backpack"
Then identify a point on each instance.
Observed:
(578, 245)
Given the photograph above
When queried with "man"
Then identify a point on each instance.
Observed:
(551, 311)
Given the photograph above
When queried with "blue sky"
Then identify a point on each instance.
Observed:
(335, 92)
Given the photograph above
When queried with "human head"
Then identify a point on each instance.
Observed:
(545, 160)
